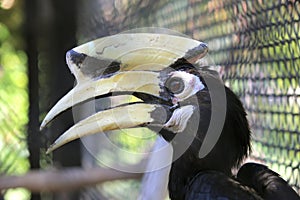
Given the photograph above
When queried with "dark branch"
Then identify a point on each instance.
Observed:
(63, 180)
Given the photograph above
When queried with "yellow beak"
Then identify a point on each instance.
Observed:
(127, 64)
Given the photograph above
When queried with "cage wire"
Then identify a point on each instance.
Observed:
(257, 43)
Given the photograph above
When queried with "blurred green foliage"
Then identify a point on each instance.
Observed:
(13, 104)
(13, 99)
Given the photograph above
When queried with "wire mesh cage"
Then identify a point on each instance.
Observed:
(257, 43)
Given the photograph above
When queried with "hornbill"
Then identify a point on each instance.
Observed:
(181, 99)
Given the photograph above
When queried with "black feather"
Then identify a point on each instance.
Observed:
(266, 182)
(231, 148)
(214, 185)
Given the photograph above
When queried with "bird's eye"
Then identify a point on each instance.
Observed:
(175, 85)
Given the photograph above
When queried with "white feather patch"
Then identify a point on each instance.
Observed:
(192, 85)
(177, 123)
(155, 181)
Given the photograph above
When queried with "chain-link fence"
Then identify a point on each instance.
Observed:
(257, 43)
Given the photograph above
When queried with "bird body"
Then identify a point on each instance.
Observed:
(183, 101)
(265, 182)
(215, 185)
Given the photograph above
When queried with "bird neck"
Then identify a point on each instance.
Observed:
(183, 171)
(180, 176)
(188, 165)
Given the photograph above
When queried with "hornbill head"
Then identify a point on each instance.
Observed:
(180, 97)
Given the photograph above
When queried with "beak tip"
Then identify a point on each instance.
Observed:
(43, 124)
(51, 148)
